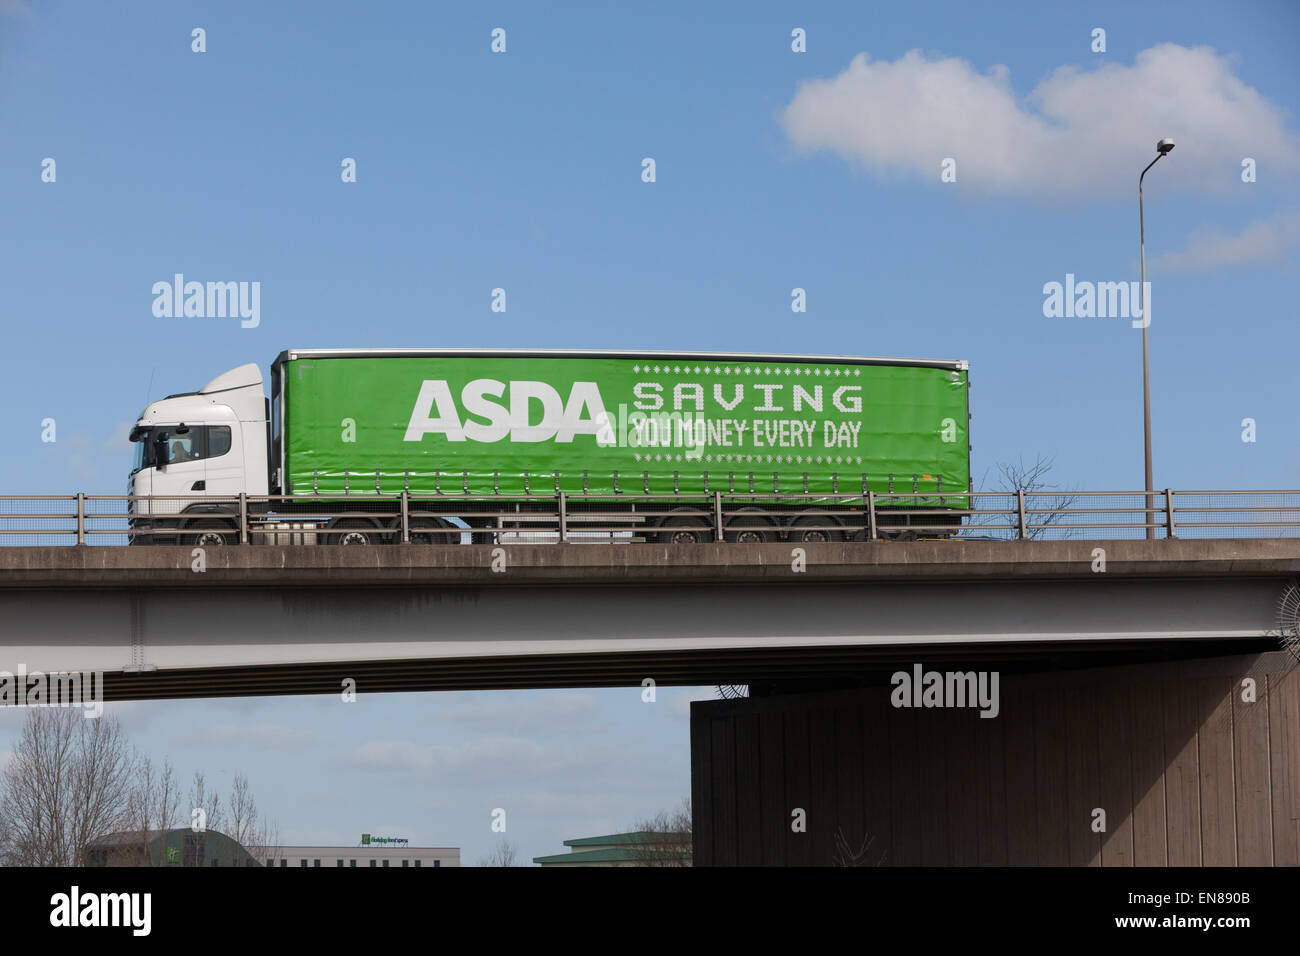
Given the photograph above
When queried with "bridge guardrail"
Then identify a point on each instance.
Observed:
(720, 516)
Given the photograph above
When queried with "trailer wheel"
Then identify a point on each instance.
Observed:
(684, 530)
(434, 531)
(354, 531)
(816, 529)
(749, 529)
(211, 534)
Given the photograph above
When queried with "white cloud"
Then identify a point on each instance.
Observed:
(87, 457)
(400, 755)
(603, 805)
(133, 714)
(264, 736)
(138, 715)
(118, 442)
(1263, 242)
(516, 712)
(79, 455)
(1078, 134)
(492, 760)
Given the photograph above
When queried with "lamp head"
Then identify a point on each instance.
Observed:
(1164, 146)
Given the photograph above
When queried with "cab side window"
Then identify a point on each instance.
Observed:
(218, 440)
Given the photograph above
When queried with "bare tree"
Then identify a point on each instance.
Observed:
(244, 826)
(67, 784)
(1042, 510)
(504, 855)
(266, 846)
(212, 817)
(153, 805)
(8, 853)
(156, 807)
(667, 838)
(241, 817)
(72, 781)
(8, 849)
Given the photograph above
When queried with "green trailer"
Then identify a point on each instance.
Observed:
(664, 424)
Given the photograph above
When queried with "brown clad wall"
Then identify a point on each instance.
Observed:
(1188, 771)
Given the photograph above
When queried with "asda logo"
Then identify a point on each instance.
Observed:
(488, 410)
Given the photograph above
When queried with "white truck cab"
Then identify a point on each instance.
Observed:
(209, 444)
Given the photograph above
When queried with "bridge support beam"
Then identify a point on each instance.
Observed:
(1185, 763)
(175, 629)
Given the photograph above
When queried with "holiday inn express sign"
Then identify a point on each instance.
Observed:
(368, 840)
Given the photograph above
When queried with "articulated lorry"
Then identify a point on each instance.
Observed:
(644, 439)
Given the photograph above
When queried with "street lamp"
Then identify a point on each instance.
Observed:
(1163, 148)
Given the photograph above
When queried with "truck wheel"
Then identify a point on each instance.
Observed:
(749, 529)
(427, 531)
(815, 529)
(355, 531)
(211, 534)
(684, 530)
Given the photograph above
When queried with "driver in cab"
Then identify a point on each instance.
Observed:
(179, 451)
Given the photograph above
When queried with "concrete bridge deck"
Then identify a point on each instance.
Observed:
(645, 564)
(265, 620)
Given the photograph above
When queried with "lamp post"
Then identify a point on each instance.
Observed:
(1163, 148)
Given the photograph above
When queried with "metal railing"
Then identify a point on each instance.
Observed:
(575, 518)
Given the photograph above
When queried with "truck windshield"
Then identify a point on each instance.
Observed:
(143, 441)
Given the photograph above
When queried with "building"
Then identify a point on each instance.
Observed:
(184, 847)
(639, 848)
(180, 846)
(381, 853)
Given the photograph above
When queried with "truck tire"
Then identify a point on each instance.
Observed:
(210, 534)
(750, 529)
(816, 529)
(683, 529)
(355, 531)
(428, 531)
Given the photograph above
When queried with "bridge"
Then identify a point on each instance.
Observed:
(160, 622)
(1149, 670)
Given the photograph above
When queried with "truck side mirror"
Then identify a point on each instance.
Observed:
(159, 452)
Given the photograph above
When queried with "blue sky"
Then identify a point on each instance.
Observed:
(522, 170)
